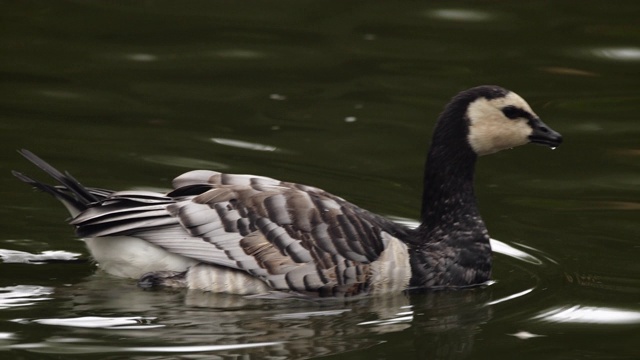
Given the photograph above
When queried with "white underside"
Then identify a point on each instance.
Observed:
(131, 257)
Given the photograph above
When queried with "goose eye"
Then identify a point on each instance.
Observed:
(513, 112)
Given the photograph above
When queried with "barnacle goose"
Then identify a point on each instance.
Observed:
(246, 234)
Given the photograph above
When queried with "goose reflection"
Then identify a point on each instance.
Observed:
(435, 324)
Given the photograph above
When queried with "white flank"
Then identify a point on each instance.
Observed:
(391, 272)
(130, 257)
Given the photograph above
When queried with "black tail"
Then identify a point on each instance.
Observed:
(70, 192)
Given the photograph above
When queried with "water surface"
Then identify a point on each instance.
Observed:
(343, 96)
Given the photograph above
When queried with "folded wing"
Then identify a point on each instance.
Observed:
(291, 236)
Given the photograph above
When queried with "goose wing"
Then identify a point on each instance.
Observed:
(293, 237)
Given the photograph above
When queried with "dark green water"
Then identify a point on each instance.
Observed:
(341, 95)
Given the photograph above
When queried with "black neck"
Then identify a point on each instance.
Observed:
(448, 199)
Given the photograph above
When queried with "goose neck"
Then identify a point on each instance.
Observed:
(448, 197)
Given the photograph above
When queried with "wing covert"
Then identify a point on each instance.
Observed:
(293, 237)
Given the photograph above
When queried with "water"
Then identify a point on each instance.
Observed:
(343, 96)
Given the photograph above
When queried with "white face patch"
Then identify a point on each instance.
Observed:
(491, 131)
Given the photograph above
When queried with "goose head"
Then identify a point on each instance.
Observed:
(453, 241)
(500, 119)
(478, 121)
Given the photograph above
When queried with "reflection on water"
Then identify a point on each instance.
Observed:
(399, 318)
(590, 314)
(446, 324)
(201, 322)
(460, 15)
(23, 295)
(141, 57)
(619, 54)
(122, 323)
(525, 335)
(244, 144)
(16, 256)
(567, 71)
(499, 247)
(442, 322)
(308, 314)
(511, 297)
(85, 346)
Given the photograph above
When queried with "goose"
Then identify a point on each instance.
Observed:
(252, 235)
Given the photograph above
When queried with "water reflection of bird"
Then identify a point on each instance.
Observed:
(248, 234)
(443, 323)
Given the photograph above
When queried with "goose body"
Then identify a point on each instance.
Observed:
(248, 234)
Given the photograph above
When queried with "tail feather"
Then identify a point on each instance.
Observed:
(65, 179)
(71, 193)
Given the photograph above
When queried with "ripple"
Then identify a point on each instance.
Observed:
(244, 144)
(589, 315)
(401, 317)
(277, 97)
(121, 323)
(510, 297)
(15, 256)
(7, 336)
(239, 54)
(199, 348)
(61, 94)
(460, 15)
(559, 70)
(502, 248)
(621, 54)
(141, 57)
(54, 347)
(308, 314)
(525, 335)
(523, 278)
(23, 295)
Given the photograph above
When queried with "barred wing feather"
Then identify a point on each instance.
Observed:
(291, 236)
